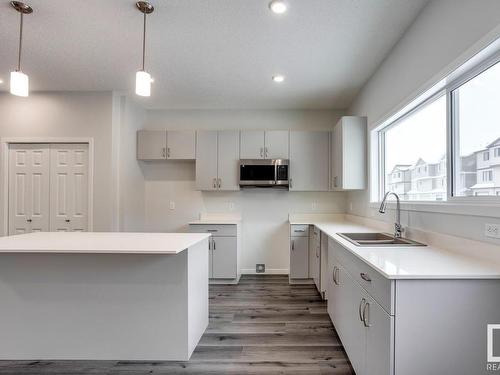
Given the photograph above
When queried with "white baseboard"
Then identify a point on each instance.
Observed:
(269, 271)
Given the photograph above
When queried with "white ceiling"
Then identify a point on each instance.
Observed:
(208, 53)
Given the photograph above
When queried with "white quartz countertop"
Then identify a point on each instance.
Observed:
(217, 219)
(100, 242)
(404, 262)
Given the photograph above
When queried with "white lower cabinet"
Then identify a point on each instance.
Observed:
(223, 251)
(364, 327)
(224, 257)
(299, 251)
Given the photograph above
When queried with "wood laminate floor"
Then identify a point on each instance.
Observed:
(263, 325)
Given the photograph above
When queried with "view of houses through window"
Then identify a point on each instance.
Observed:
(415, 147)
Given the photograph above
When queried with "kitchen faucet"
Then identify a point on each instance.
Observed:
(398, 229)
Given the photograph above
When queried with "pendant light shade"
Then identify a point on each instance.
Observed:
(142, 78)
(143, 83)
(19, 82)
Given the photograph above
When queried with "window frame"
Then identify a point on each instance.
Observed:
(447, 87)
(381, 141)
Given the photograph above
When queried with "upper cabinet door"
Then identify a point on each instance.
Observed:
(252, 144)
(206, 160)
(309, 164)
(228, 160)
(181, 144)
(349, 154)
(151, 145)
(276, 144)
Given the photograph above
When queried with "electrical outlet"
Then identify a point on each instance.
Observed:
(260, 268)
(492, 230)
(172, 205)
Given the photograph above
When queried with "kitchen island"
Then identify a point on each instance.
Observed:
(103, 296)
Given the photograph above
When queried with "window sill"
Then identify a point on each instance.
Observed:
(482, 209)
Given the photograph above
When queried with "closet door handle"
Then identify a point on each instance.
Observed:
(366, 315)
(361, 309)
(365, 276)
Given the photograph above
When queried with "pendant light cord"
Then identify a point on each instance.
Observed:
(144, 44)
(20, 43)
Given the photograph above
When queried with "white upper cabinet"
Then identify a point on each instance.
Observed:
(206, 160)
(309, 164)
(217, 157)
(252, 144)
(162, 144)
(276, 145)
(181, 144)
(260, 144)
(349, 154)
(151, 145)
(228, 159)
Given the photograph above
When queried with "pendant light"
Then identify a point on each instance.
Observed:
(142, 78)
(19, 82)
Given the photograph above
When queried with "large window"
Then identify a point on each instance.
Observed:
(415, 153)
(445, 145)
(476, 126)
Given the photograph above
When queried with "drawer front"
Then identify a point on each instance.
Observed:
(301, 230)
(373, 282)
(216, 230)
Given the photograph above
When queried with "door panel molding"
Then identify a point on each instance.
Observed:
(4, 172)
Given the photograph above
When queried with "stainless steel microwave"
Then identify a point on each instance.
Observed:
(264, 173)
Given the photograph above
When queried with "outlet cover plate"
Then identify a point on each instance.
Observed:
(492, 230)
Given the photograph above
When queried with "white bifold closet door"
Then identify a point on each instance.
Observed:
(68, 187)
(29, 188)
(48, 187)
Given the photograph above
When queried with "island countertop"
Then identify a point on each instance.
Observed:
(100, 242)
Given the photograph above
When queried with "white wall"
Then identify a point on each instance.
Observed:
(67, 115)
(264, 212)
(446, 33)
(128, 118)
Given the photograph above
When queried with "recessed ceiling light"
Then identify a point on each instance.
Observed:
(278, 78)
(278, 6)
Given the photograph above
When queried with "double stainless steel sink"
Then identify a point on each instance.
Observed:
(378, 240)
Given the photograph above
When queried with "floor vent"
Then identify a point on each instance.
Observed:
(260, 268)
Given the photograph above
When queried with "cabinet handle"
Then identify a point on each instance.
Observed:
(67, 220)
(335, 280)
(265, 152)
(213, 242)
(163, 152)
(29, 220)
(361, 309)
(290, 183)
(299, 230)
(210, 244)
(219, 183)
(366, 315)
(215, 183)
(212, 230)
(365, 276)
(293, 245)
(335, 181)
(261, 152)
(168, 152)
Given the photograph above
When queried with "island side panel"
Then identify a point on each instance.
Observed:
(197, 293)
(94, 306)
(441, 325)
